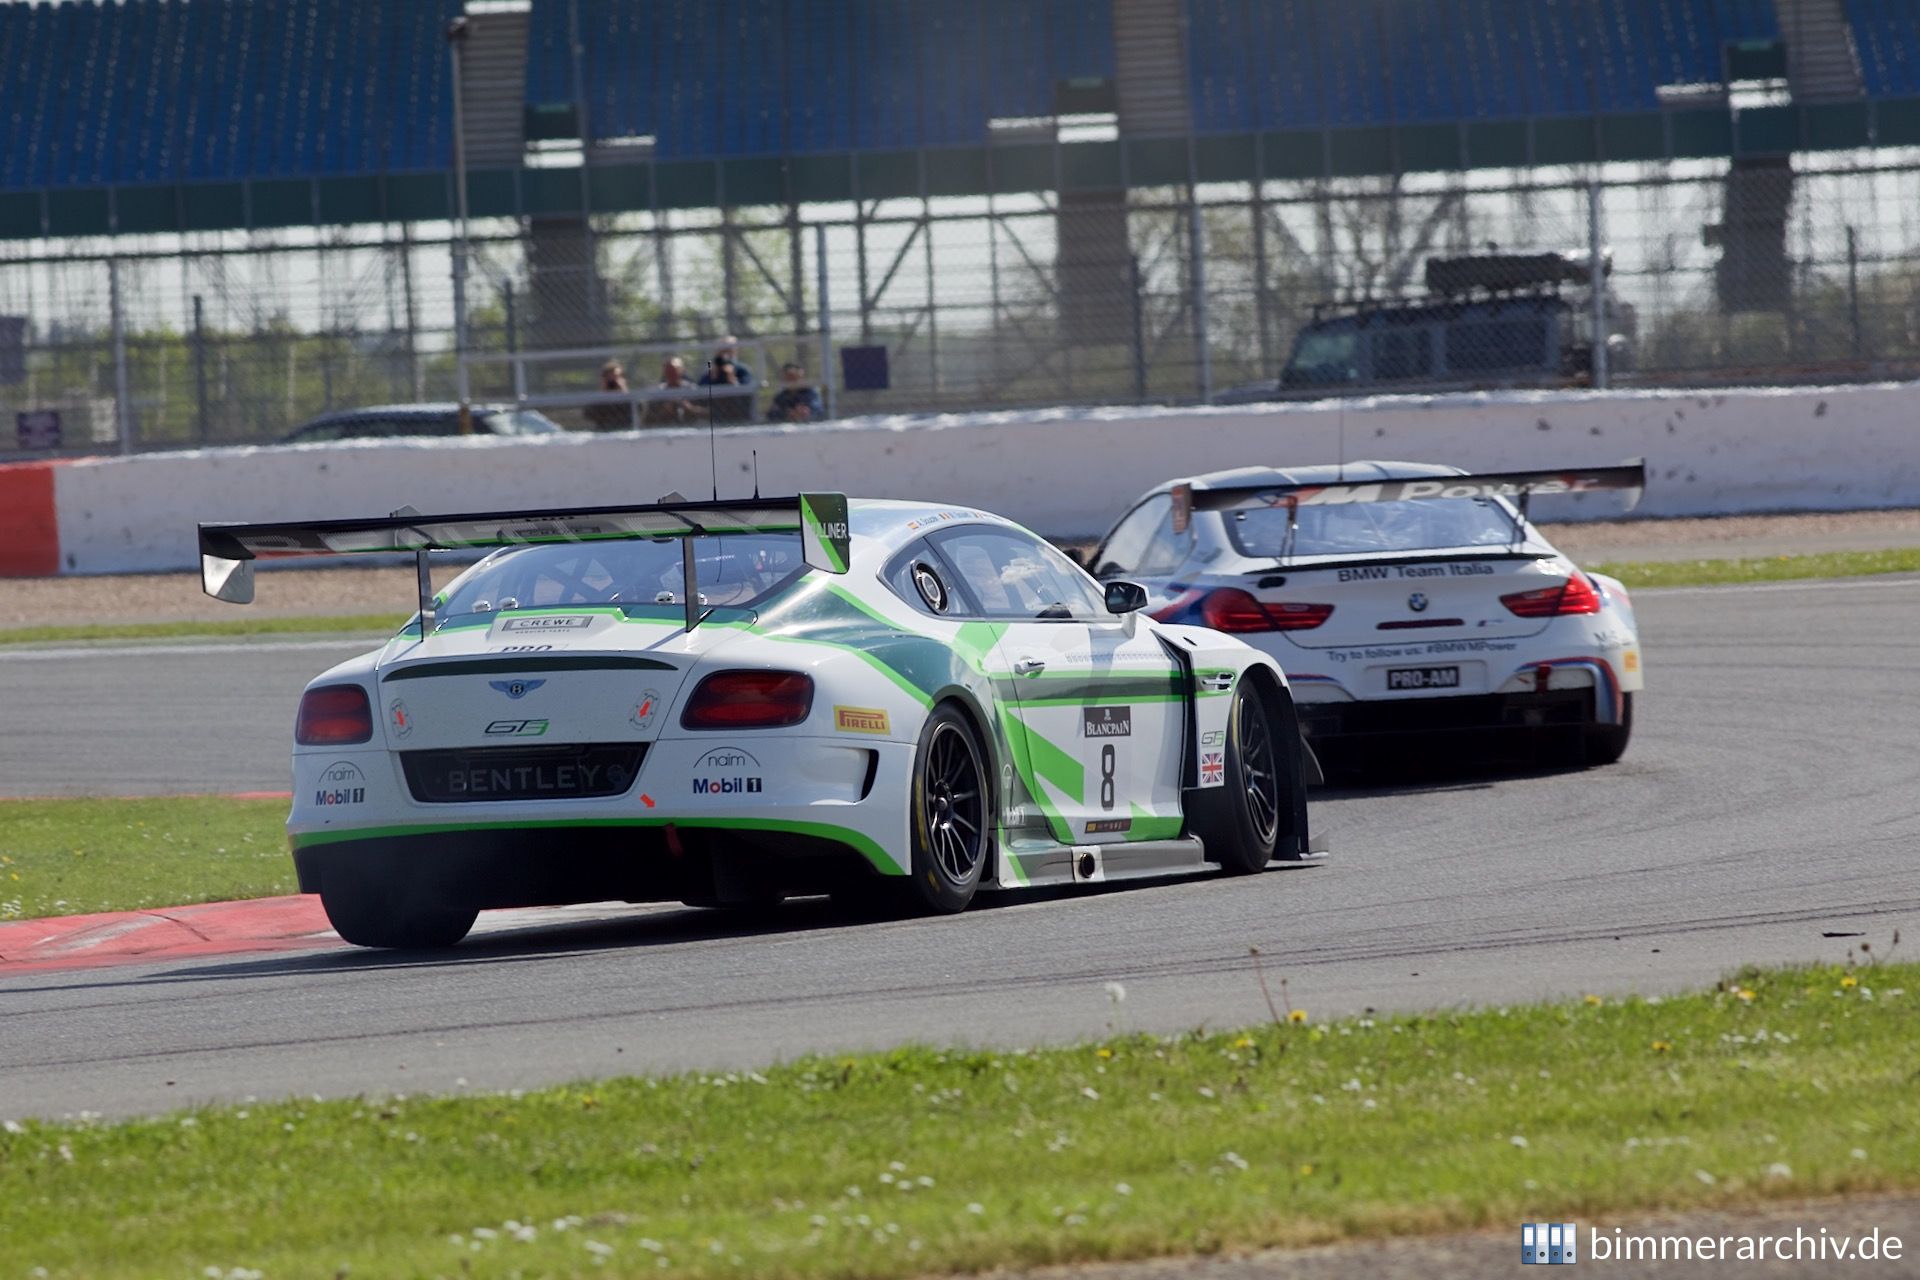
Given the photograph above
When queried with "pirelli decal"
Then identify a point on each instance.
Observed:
(861, 720)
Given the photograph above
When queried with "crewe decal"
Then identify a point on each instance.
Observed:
(548, 622)
(861, 720)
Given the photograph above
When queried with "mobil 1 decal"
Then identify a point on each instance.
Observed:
(340, 783)
(726, 771)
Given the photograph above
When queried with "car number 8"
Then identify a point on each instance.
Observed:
(1106, 775)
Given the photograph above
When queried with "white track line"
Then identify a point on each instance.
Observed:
(1870, 581)
(124, 650)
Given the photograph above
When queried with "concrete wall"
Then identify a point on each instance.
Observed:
(1064, 472)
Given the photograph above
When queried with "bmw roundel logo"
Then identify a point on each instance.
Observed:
(1417, 602)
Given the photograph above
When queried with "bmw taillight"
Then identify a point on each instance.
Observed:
(1233, 610)
(334, 715)
(749, 700)
(1575, 595)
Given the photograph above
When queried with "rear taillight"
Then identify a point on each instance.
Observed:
(749, 700)
(1231, 609)
(334, 715)
(1575, 595)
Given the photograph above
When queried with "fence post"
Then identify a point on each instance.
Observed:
(122, 391)
(826, 317)
(1197, 282)
(1597, 270)
(1139, 329)
(456, 46)
(200, 366)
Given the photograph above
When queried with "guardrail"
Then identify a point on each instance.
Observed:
(1063, 473)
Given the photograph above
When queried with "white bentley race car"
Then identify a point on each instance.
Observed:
(1398, 597)
(727, 702)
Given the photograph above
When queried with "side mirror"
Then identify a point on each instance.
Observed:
(1126, 597)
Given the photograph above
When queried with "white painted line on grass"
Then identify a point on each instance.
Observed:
(24, 653)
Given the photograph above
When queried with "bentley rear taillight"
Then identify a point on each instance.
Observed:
(749, 700)
(334, 715)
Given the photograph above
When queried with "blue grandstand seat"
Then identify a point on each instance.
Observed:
(193, 90)
(1281, 64)
(1887, 35)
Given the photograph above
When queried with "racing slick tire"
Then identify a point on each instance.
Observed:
(368, 911)
(1239, 823)
(951, 823)
(1606, 743)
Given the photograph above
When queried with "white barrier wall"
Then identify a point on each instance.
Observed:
(1065, 473)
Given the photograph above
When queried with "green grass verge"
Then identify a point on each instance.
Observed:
(1698, 573)
(1785, 1083)
(369, 623)
(69, 857)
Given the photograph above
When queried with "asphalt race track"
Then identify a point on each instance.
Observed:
(1771, 798)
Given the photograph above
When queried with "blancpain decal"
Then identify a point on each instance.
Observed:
(340, 783)
(726, 771)
(1106, 722)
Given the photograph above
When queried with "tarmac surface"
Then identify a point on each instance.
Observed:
(1767, 811)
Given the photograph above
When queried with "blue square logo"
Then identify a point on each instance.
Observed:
(1549, 1243)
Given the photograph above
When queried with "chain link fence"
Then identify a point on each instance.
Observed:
(1712, 274)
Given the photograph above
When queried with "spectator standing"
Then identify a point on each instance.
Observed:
(725, 370)
(797, 400)
(610, 417)
(673, 376)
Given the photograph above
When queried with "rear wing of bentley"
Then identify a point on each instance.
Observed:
(228, 551)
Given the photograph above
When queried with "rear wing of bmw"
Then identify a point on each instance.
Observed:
(1520, 487)
(1629, 478)
(228, 551)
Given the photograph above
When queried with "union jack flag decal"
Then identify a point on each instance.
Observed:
(1213, 769)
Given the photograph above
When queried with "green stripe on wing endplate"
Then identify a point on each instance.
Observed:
(864, 844)
(824, 537)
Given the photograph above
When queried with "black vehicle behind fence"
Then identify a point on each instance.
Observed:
(392, 421)
(1486, 320)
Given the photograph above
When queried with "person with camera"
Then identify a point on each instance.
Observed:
(725, 370)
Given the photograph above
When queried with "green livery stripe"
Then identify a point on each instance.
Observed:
(1016, 736)
(974, 641)
(1147, 826)
(1058, 768)
(863, 843)
(530, 662)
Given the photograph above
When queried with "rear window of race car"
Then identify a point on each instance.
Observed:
(735, 571)
(1363, 528)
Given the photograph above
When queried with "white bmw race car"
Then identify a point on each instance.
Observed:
(728, 702)
(1397, 596)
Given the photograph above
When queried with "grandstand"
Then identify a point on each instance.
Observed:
(171, 118)
(142, 115)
